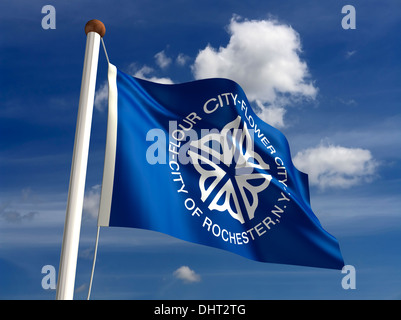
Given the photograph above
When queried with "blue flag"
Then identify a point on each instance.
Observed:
(195, 162)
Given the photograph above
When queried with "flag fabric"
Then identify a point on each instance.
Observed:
(194, 161)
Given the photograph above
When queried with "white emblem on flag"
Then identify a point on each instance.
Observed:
(220, 153)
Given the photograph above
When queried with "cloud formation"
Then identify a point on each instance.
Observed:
(92, 201)
(182, 59)
(101, 97)
(10, 214)
(13, 216)
(263, 57)
(162, 60)
(336, 166)
(186, 274)
(145, 73)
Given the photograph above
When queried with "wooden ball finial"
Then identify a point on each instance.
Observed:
(95, 26)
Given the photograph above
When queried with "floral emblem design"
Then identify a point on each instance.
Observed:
(231, 173)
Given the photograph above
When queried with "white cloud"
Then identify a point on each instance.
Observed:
(348, 102)
(13, 211)
(92, 201)
(274, 115)
(349, 54)
(145, 73)
(13, 216)
(101, 97)
(186, 274)
(263, 57)
(336, 166)
(182, 59)
(162, 60)
(81, 288)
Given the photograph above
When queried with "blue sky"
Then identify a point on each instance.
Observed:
(338, 106)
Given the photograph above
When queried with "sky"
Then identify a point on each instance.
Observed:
(334, 93)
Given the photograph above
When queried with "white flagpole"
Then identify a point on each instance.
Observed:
(94, 30)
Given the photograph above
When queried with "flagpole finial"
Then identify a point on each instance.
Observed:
(95, 26)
